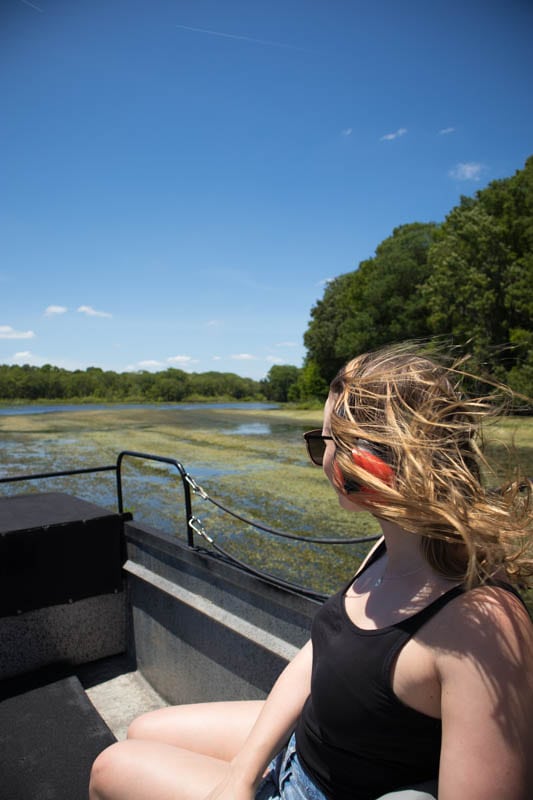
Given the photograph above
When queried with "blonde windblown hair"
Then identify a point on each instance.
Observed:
(411, 411)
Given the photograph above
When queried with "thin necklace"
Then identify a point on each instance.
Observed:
(384, 577)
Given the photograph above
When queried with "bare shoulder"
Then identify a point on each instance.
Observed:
(487, 622)
(483, 646)
(486, 629)
(485, 633)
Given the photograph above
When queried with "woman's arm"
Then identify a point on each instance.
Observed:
(272, 729)
(486, 673)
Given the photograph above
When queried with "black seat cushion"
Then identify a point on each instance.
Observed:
(49, 738)
(57, 549)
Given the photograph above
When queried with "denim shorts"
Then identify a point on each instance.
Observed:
(286, 779)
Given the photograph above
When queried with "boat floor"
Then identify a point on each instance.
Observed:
(119, 692)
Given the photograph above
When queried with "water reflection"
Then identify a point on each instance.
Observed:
(250, 429)
(54, 408)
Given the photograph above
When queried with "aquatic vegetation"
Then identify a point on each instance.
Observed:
(265, 477)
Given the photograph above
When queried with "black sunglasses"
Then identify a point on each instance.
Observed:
(316, 445)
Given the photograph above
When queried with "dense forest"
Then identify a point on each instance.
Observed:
(93, 384)
(468, 281)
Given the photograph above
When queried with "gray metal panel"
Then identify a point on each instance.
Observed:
(204, 629)
(72, 633)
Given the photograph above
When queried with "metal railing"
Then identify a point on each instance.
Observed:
(193, 524)
(163, 460)
(117, 469)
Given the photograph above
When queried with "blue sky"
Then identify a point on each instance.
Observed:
(179, 178)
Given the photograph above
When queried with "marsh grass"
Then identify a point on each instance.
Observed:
(266, 478)
(509, 442)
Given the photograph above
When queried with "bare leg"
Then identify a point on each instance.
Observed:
(137, 770)
(218, 730)
(178, 753)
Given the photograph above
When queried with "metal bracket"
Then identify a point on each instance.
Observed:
(197, 526)
(196, 488)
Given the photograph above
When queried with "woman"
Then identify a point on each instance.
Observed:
(420, 668)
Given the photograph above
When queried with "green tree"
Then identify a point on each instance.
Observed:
(480, 291)
(466, 290)
(469, 279)
(310, 384)
(327, 317)
(278, 382)
(172, 385)
(378, 303)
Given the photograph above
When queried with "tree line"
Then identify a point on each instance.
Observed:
(468, 280)
(172, 385)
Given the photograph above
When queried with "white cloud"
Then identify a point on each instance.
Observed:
(181, 360)
(445, 131)
(36, 360)
(27, 357)
(390, 136)
(243, 357)
(154, 363)
(213, 323)
(217, 358)
(7, 332)
(275, 359)
(91, 312)
(347, 131)
(325, 281)
(467, 171)
(286, 344)
(50, 311)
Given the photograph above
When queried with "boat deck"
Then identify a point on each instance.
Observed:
(119, 692)
(102, 620)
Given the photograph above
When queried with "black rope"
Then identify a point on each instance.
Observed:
(298, 538)
(268, 577)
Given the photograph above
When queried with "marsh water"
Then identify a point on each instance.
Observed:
(55, 408)
(248, 457)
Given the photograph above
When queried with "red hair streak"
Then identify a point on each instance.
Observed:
(370, 463)
(374, 465)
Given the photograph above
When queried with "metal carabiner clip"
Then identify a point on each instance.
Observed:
(197, 526)
(197, 489)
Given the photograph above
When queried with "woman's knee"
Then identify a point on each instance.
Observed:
(110, 764)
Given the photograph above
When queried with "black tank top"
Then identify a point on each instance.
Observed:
(355, 738)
